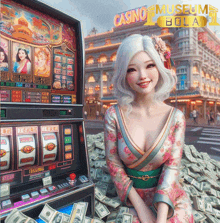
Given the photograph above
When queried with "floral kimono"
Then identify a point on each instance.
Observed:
(166, 152)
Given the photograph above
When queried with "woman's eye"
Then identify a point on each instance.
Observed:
(130, 70)
(151, 65)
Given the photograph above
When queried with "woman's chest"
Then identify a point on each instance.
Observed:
(144, 133)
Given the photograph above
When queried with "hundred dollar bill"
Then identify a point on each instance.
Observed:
(208, 208)
(199, 204)
(216, 212)
(16, 216)
(47, 214)
(102, 186)
(112, 217)
(88, 220)
(99, 173)
(30, 220)
(205, 186)
(193, 191)
(122, 211)
(97, 220)
(127, 218)
(188, 154)
(106, 178)
(101, 210)
(111, 202)
(93, 173)
(78, 212)
(98, 194)
(210, 218)
(197, 185)
(198, 216)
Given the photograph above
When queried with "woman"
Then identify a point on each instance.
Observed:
(144, 137)
(3, 60)
(42, 67)
(23, 62)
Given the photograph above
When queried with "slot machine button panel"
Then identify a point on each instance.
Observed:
(6, 204)
(35, 194)
(43, 192)
(52, 188)
(25, 197)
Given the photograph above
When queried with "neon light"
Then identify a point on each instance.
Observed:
(131, 16)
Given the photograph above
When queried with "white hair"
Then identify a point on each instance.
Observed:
(128, 48)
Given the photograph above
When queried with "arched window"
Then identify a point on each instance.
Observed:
(91, 79)
(195, 83)
(113, 57)
(212, 78)
(97, 87)
(195, 70)
(105, 90)
(213, 89)
(207, 76)
(202, 74)
(90, 60)
(102, 59)
(91, 90)
(203, 86)
(104, 77)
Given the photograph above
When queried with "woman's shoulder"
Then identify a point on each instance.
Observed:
(111, 111)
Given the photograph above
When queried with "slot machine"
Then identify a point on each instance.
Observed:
(43, 155)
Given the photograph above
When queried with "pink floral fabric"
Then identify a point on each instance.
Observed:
(119, 155)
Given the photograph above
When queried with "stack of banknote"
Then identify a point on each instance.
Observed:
(199, 176)
(18, 216)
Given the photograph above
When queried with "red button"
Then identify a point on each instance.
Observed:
(72, 176)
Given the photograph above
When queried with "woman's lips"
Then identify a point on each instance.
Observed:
(144, 84)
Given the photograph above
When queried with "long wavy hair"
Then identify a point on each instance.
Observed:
(5, 55)
(26, 55)
(128, 48)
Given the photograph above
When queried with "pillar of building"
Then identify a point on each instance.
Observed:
(190, 73)
(215, 107)
(204, 107)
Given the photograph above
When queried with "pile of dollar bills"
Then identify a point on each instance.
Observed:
(199, 176)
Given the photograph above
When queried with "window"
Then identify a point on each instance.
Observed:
(91, 90)
(102, 59)
(90, 60)
(182, 78)
(195, 83)
(113, 57)
(105, 90)
(91, 79)
(104, 77)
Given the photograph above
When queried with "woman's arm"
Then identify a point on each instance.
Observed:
(168, 189)
(115, 166)
(144, 213)
(162, 211)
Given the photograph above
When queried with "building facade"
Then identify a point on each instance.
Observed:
(196, 52)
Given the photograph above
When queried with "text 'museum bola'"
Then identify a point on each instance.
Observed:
(144, 137)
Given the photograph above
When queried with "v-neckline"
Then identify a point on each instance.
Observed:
(157, 138)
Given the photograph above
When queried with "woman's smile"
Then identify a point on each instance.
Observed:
(142, 74)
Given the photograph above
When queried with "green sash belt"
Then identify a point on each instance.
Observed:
(146, 179)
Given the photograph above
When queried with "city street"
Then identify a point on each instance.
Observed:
(205, 139)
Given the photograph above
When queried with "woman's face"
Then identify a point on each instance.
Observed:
(2, 57)
(21, 54)
(41, 59)
(142, 74)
